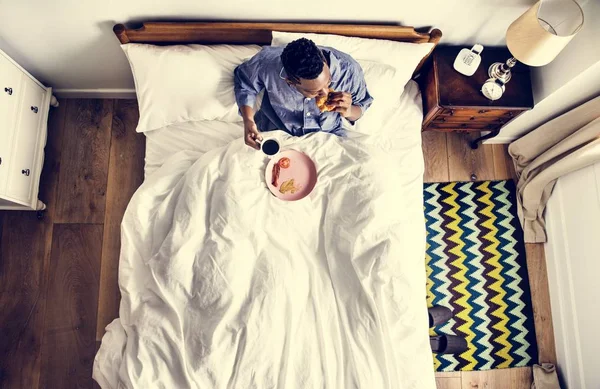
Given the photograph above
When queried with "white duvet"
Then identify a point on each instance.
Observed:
(225, 286)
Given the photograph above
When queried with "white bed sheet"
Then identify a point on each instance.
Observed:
(224, 286)
(201, 136)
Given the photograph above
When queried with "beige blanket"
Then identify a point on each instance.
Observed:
(558, 147)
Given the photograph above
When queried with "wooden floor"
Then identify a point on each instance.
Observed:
(58, 276)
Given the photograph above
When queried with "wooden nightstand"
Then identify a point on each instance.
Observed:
(454, 102)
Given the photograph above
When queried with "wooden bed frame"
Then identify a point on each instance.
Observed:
(170, 33)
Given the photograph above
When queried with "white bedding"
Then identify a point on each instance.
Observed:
(225, 286)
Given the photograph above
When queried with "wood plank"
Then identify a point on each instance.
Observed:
(24, 266)
(503, 165)
(540, 296)
(465, 163)
(97, 347)
(84, 161)
(515, 378)
(435, 154)
(125, 175)
(53, 153)
(448, 383)
(69, 340)
(447, 374)
(22, 292)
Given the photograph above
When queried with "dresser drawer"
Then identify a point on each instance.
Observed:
(22, 170)
(10, 95)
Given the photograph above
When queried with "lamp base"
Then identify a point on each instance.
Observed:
(501, 71)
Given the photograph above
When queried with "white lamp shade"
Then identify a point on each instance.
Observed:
(533, 41)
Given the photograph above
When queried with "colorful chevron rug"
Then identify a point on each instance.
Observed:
(476, 267)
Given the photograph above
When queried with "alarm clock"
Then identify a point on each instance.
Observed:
(493, 88)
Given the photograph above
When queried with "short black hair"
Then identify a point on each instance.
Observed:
(302, 59)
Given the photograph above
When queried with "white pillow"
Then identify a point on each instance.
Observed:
(176, 84)
(378, 77)
(404, 57)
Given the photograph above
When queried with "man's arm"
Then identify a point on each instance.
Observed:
(247, 85)
(361, 99)
(353, 102)
(355, 113)
(247, 113)
(251, 134)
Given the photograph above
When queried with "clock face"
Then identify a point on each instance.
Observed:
(492, 90)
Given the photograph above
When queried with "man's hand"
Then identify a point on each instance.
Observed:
(342, 103)
(251, 134)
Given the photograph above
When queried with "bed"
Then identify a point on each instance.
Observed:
(225, 286)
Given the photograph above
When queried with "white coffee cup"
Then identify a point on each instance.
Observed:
(269, 146)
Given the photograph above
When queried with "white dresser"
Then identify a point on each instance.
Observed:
(24, 106)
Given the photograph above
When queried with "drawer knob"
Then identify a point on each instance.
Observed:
(8, 90)
(472, 118)
(463, 124)
(441, 119)
(25, 172)
(482, 111)
(34, 109)
(0, 160)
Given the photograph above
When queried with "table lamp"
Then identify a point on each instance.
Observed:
(539, 35)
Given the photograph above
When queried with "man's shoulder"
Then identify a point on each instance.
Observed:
(344, 59)
(270, 53)
(264, 62)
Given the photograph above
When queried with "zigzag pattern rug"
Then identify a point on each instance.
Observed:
(476, 267)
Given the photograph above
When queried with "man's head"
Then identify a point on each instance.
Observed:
(306, 68)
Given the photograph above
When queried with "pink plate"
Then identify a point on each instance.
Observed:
(302, 169)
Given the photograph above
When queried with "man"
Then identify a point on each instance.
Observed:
(292, 78)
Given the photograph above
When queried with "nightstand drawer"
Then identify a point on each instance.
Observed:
(469, 119)
(471, 126)
(478, 113)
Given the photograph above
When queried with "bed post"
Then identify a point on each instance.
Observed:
(121, 33)
(434, 37)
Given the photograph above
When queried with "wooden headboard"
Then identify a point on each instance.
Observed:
(170, 33)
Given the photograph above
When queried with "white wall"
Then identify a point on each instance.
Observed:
(571, 79)
(70, 44)
(572, 257)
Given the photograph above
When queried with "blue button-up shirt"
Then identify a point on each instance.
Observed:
(283, 107)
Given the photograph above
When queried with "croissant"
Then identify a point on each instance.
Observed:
(322, 102)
